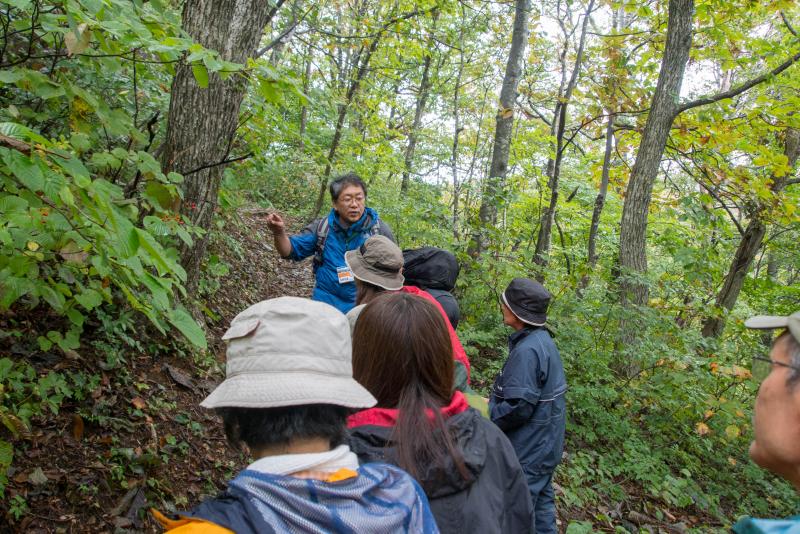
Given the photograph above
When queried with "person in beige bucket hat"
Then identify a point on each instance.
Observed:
(287, 393)
(285, 352)
(776, 414)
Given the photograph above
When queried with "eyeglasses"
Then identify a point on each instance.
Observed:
(358, 199)
(762, 366)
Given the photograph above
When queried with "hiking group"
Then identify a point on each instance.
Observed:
(366, 422)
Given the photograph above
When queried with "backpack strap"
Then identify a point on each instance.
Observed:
(323, 227)
(322, 235)
(375, 229)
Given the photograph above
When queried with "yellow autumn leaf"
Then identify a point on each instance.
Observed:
(731, 460)
(709, 414)
(33, 246)
(732, 431)
(702, 429)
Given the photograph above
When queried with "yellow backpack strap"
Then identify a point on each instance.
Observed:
(188, 525)
(341, 474)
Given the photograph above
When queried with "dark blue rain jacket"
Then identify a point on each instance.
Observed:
(339, 240)
(528, 400)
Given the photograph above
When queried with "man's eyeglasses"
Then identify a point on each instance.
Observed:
(762, 366)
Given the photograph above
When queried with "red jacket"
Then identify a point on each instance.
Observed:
(458, 351)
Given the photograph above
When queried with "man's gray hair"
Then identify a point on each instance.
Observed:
(793, 352)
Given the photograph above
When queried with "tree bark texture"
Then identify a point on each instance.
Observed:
(202, 122)
(750, 244)
(663, 110)
(546, 225)
(504, 124)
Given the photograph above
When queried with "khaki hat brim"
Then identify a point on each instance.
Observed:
(766, 322)
(365, 273)
(274, 390)
(771, 322)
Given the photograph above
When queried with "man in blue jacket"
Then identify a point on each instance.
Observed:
(345, 228)
(528, 397)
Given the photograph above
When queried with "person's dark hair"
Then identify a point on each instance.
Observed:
(366, 292)
(793, 353)
(344, 180)
(265, 427)
(403, 356)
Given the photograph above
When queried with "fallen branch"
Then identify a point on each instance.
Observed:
(15, 144)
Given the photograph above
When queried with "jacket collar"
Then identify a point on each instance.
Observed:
(388, 416)
(367, 219)
(519, 335)
(286, 464)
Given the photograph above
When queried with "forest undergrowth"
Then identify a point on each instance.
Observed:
(121, 430)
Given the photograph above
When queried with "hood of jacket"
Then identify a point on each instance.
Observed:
(438, 479)
(363, 224)
(382, 498)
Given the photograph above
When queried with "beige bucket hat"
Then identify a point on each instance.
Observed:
(379, 261)
(289, 351)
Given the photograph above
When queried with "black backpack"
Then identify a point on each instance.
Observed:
(430, 268)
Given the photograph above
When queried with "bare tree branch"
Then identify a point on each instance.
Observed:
(223, 162)
(789, 25)
(739, 89)
(275, 42)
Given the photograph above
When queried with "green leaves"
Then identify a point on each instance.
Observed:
(27, 171)
(200, 74)
(180, 319)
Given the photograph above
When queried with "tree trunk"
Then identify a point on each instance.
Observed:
(504, 123)
(749, 245)
(202, 122)
(600, 201)
(422, 99)
(457, 128)
(301, 132)
(546, 225)
(664, 109)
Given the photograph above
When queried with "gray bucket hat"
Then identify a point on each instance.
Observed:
(379, 261)
(289, 351)
(528, 300)
(772, 322)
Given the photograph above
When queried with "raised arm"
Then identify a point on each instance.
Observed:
(278, 228)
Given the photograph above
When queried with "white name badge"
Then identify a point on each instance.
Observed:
(345, 274)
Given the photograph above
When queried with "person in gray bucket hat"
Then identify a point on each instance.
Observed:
(377, 267)
(287, 393)
(776, 414)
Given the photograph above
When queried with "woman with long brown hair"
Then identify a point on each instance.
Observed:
(466, 465)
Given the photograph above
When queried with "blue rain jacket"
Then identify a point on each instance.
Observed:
(327, 287)
(381, 499)
(751, 525)
(528, 400)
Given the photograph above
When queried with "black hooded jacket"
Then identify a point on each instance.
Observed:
(495, 499)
